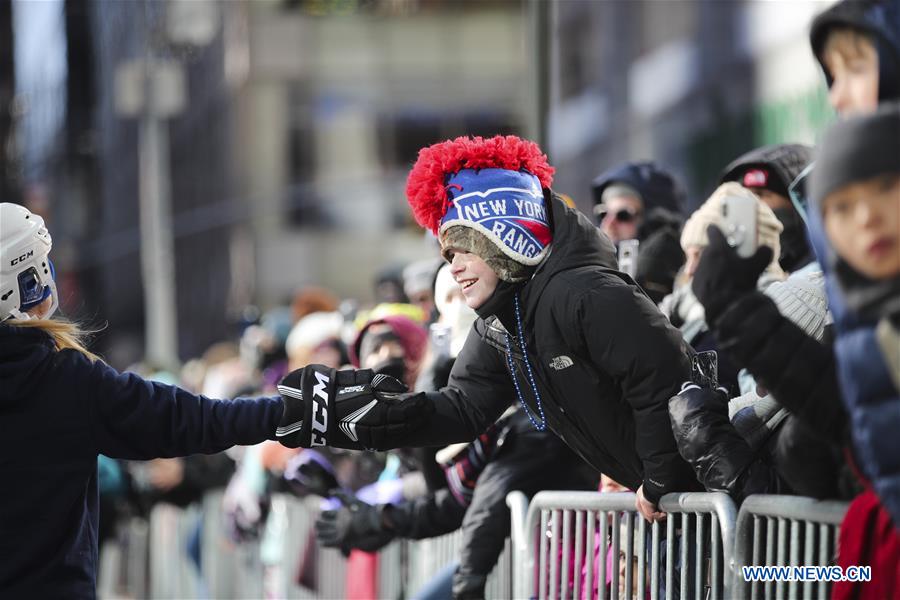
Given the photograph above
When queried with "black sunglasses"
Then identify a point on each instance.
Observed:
(622, 215)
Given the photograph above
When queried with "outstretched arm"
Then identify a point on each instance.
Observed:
(133, 418)
(364, 411)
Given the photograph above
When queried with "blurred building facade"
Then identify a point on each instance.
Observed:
(287, 161)
(689, 83)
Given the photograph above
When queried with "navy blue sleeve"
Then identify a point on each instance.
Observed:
(133, 418)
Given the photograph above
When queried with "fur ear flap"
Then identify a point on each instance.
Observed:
(426, 184)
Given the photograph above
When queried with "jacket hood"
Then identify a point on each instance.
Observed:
(880, 19)
(785, 160)
(576, 243)
(657, 187)
(827, 258)
(22, 351)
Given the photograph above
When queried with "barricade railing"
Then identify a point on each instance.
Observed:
(150, 558)
(591, 545)
(785, 531)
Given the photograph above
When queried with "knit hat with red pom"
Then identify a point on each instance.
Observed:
(492, 187)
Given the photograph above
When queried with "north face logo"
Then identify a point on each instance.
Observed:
(561, 362)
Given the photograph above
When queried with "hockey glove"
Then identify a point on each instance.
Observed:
(354, 409)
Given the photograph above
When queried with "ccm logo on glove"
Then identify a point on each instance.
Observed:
(347, 409)
(320, 410)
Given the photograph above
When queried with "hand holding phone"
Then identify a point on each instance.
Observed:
(739, 224)
(628, 257)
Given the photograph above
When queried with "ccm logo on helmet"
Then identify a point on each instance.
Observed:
(16, 261)
(320, 411)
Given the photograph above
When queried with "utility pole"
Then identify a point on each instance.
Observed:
(153, 90)
(541, 13)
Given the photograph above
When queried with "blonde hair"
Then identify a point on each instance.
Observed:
(66, 335)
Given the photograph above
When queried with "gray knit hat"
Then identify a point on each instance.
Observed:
(472, 241)
(801, 298)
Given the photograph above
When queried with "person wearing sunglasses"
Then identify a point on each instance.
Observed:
(642, 201)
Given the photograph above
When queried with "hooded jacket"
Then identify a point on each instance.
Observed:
(657, 188)
(58, 411)
(786, 161)
(879, 19)
(604, 359)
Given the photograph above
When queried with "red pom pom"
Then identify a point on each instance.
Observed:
(426, 184)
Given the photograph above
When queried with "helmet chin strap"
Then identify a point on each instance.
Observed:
(21, 315)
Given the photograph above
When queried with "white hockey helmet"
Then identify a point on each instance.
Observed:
(26, 273)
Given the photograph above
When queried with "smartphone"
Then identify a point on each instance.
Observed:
(739, 220)
(440, 339)
(628, 257)
(705, 369)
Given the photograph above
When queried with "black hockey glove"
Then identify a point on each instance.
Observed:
(355, 525)
(723, 277)
(354, 409)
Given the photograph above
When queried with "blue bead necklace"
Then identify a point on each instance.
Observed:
(541, 424)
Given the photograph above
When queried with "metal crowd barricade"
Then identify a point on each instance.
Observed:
(774, 530)
(575, 544)
(149, 559)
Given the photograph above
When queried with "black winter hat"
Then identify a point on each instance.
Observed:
(857, 149)
(880, 19)
(784, 161)
(658, 188)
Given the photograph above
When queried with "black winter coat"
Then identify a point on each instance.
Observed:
(57, 412)
(605, 362)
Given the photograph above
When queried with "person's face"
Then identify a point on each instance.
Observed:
(623, 561)
(773, 200)
(326, 354)
(622, 219)
(424, 300)
(692, 259)
(383, 351)
(477, 281)
(852, 61)
(862, 221)
(609, 485)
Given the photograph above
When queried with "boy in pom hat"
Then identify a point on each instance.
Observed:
(560, 330)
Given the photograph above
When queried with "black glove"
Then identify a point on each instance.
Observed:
(722, 276)
(706, 439)
(317, 479)
(354, 525)
(353, 409)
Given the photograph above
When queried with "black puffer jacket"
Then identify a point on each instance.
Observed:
(604, 359)
(790, 459)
